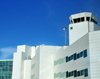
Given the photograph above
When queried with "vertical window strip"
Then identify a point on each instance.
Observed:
(33, 76)
(33, 66)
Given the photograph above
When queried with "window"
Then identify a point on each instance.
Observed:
(82, 72)
(75, 20)
(66, 59)
(72, 74)
(81, 54)
(78, 19)
(85, 53)
(87, 18)
(78, 56)
(69, 74)
(66, 74)
(82, 19)
(92, 20)
(78, 73)
(72, 57)
(86, 72)
(75, 56)
(75, 73)
(71, 28)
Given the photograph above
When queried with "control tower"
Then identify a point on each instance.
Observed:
(81, 24)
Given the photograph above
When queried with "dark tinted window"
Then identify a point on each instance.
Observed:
(66, 74)
(78, 56)
(75, 73)
(72, 57)
(92, 20)
(66, 59)
(71, 28)
(87, 18)
(75, 56)
(69, 74)
(75, 21)
(78, 19)
(81, 54)
(72, 73)
(82, 19)
(82, 72)
(85, 53)
(78, 73)
(86, 72)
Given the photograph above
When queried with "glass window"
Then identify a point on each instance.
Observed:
(91, 20)
(4, 62)
(75, 56)
(78, 19)
(86, 72)
(81, 54)
(66, 59)
(75, 73)
(82, 72)
(78, 56)
(0, 62)
(85, 53)
(71, 28)
(67, 74)
(72, 57)
(72, 73)
(82, 19)
(54, 75)
(87, 18)
(75, 21)
(78, 73)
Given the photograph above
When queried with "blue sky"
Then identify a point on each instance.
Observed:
(36, 22)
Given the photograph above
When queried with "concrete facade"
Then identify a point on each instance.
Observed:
(79, 60)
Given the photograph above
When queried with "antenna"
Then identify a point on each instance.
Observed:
(65, 35)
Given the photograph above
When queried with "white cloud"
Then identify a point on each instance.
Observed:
(7, 52)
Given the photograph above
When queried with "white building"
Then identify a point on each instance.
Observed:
(79, 60)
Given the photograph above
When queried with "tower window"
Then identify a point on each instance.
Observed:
(87, 18)
(71, 21)
(92, 20)
(71, 28)
(75, 20)
(82, 19)
(78, 19)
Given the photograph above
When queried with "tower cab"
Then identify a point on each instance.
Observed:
(81, 24)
